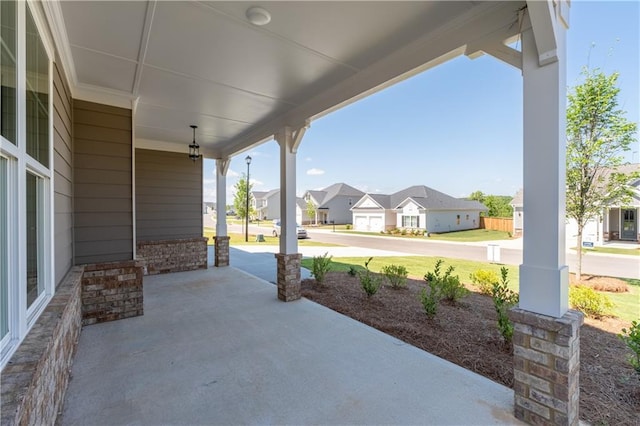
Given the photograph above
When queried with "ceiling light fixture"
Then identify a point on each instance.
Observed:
(194, 148)
(258, 16)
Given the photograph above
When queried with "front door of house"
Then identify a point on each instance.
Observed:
(629, 224)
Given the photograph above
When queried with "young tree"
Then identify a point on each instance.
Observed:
(597, 135)
(240, 198)
(311, 211)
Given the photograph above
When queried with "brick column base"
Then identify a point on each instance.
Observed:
(221, 249)
(546, 367)
(288, 276)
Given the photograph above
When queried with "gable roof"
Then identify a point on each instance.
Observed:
(427, 198)
(302, 204)
(258, 194)
(327, 194)
(518, 199)
(381, 200)
(430, 199)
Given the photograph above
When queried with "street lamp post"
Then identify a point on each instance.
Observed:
(246, 229)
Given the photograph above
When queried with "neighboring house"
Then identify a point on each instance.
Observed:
(267, 205)
(518, 213)
(208, 207)
(616, 222)
(333, 203)
(416, 207)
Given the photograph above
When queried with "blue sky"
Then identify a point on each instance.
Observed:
(456, 128)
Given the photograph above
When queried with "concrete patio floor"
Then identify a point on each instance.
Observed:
(216, 347)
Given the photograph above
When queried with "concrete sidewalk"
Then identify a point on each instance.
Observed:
(216, 347)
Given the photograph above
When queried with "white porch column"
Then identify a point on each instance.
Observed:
(221, 245)
(544, 276)
(222, 165)
(288, 260)
(546, 337)
(288, 237)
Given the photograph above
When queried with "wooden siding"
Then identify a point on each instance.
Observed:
(168, 196)
(62, 175)
(103, 207)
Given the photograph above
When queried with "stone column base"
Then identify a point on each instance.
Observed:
(546, 367)
(221, 250)
(288, 276)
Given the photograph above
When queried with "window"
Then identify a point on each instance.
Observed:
(8, 47)
(37, 96)
(411, 221)
(457, 219)
(26, 278)
(467, 217)
(4, 255)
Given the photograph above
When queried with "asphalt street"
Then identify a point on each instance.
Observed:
(592, 263)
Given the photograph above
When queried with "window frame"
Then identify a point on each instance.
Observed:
(20, 317)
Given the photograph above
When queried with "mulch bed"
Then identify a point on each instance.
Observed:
(466, 334)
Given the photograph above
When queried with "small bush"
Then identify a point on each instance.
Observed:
(348, 226)
(484, 279)
(449, 286)
(352, 271)
(321, 265)
(431, 298)
(403, 231)
(632, 339)
(503, 300)
(396, 275)
(590, 302)
(369, 281)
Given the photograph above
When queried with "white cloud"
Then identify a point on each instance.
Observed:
(256, 182)
(206, 182)
(231, 173)
(315, 172)
(307, 159)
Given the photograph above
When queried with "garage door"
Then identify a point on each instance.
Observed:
(361, 223)
(376, 224)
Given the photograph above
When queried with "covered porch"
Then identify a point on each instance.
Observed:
(131, 81)
(215, 347)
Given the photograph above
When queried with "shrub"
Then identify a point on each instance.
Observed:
(590, 302)
(321, 265)
(484, 279)
(396, 275)
(369, 281)
(503, 300)
(352, 271)
(449, 286)
(431, 298)
(403, 231)
(632, 339)
(348, 226)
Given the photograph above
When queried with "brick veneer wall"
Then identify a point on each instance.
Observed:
(111, 291)
(186, 254)
(35, 379)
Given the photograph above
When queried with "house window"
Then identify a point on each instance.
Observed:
(26, 278)
(411, 221)
(458, 219)
(8, 50)
(4, 246)
(467, 217)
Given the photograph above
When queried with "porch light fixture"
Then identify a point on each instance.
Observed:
(258, 16)
(246, 228)
(194, 148)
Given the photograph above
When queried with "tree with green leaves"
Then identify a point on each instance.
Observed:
(311, 211)
(597, 136)
(240, 198)
(497, 205)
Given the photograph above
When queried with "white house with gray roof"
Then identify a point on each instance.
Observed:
(334, 203)
(416, 207)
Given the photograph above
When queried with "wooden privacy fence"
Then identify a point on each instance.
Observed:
(497, 223)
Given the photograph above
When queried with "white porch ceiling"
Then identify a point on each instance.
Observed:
(203, 63)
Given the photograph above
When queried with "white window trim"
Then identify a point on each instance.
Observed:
(21, 318)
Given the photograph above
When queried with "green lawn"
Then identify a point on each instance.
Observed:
(611, 250)
(459, 236)
(472, 235)
(627, 305)
(238, 240)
